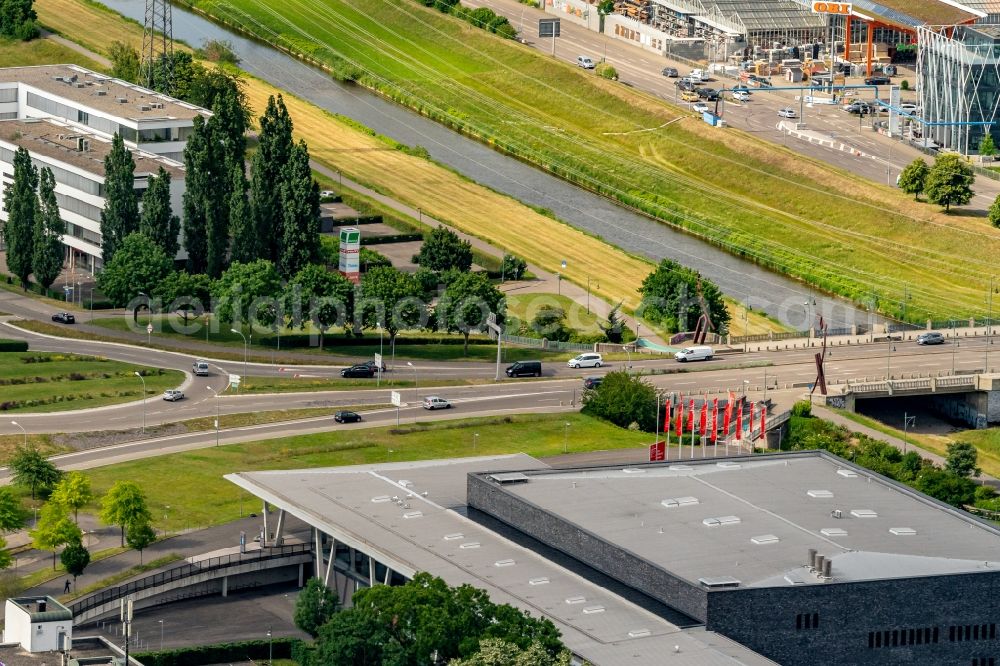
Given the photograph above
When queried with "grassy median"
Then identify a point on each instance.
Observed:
(201, 497)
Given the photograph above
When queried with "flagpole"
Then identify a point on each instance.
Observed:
(656, 434)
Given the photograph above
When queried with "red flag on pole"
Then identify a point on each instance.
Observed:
(666, 417)
(728, 417)
(704, 416)
(763, 421)
(739, 423)
(691, 416)
(715, 419)
(679, 421)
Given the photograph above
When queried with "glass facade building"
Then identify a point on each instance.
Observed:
(958, 83)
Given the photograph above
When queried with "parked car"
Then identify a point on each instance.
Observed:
(700, 107)
(690, 96)
(371, 364)
(741, 95)
(434, 402)
(588, 360)
(585, 62)
(200, 368)
(787, 112)
(701, 353)
(173, 395)
(64, 318)
(930, 338)
(877, 81)
(592, 382)
(909, 108)
(347, 417)
(524, 369)
(327, 194)
(356, 371)
(670, 72)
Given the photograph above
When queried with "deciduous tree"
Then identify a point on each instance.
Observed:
(392, 299)
(124, 505)
(21, 204)
(158, 222)
(994, 212)
(248, 293)
(675, 297)
(33, 470)
(949, 182)
(467, 302)
(11, 511)
(54, 529)
(188, 295)
(513, 267)
(442, 249)
(315, 606)
(73, 491)
(139, 265)
(963, 459)
(18, 19)
(913, 178)
(987, 148)
(496, 652)
(206, 205)
(124, 61)
(139, 536)
(623, 399)
(320, 297)
(47, 258)
(404, 624)
(120, 216)
(75, 558)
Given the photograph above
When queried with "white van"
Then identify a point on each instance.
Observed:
(200, 368)
(699, 74)
(586, 361)
(694, 354)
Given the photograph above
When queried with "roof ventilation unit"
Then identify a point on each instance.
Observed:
(833, 532)
(121, 100)
(864, 513)
(507, 478)
(719, 582)
(144, 107)
(674, 502)
(820, 494)
(902, 531)
(764, 539)
(847, 473)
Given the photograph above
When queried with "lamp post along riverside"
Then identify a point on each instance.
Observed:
(141, 379)
(416, 388)
(216, 393)
(491, 323)
(240, 333)
(25, 432)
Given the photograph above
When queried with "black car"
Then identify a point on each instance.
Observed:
(592, 382)
(371, 364)
(347, 417)
(877, 81)
(358, 371)
(684, 85)
(64, 318)
(670, 72)
(707, 94)
(864, 108)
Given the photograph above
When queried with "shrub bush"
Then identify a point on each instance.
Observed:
(281, 648)
(13, 345)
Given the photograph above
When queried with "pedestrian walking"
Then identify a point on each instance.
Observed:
(66, 587)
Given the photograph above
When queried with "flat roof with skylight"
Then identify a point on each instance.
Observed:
(754, 520)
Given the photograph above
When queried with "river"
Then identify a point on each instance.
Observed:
(775, 294)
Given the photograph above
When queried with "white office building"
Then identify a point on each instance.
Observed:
(66, 116)
(76, 159)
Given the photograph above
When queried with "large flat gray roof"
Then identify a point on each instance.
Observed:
(754, 519)
(101, 92)
(432, 533)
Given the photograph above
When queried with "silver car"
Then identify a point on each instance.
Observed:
(173, 395)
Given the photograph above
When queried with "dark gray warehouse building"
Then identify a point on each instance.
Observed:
(798, 558)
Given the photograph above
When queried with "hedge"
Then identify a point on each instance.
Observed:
(13, 345)
(394, 238)
(340, 340)
(198, 655)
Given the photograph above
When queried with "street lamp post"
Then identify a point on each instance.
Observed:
(161, 635)
(888, 353)
(475, 441)
(629, 356)
(566, 437)
(240, 333)
(416, 389)
(23, 431)
(746, 383)
(954, 350)
(216, 393)
(907, 422)
(378, 366)
(270, 649)
(989, 326)
(137, 374)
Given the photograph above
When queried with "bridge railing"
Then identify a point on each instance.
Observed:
(957, 380)
(184, 571)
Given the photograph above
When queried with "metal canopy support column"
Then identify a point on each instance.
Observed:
(281, 526)
(329, 564)
(319, 549)
(371, 572)
(388, 576)
(263, 539)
